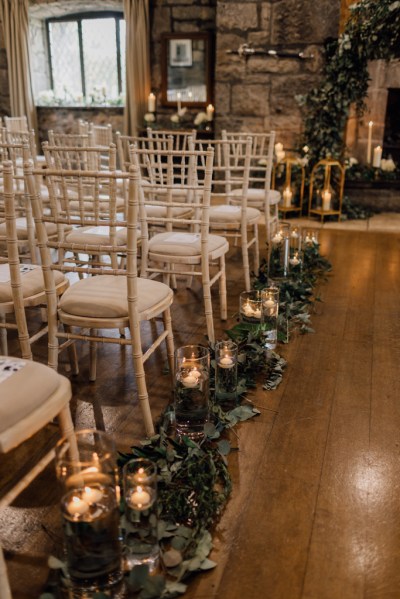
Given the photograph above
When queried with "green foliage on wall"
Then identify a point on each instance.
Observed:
(372, 32)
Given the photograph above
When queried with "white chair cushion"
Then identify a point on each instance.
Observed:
(183, 244)
(32, 283)
(257, 195)
(232, 215)
(22, 231)
(105, 296)
(25, 391)
(97, 235)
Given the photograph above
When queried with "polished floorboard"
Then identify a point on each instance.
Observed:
(315, 508)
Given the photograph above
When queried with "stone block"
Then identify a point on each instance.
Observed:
(259, 39)
(267, 64)
(300, 84)
(230, 70)
(161, 21)
(193, 12)
(238, 16)
(222, 94)
(293, 21)
(266, 11)
(252, 100)
(185, 26)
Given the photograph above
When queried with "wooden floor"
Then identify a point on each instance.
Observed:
(315, 510)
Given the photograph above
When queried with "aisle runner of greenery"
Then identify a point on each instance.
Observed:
(194, 481)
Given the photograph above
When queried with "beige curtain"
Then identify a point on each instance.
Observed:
(136, 14)
(14, 18)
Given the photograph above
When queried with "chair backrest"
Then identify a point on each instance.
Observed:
(86, 208)
(68, 139)
(16, 124)
(83, 127)
(262, 156)
(231, 170)
(21, 138)
(180, 138)
(158, 168)
(100, 135)
(77, 157)
(125, 141)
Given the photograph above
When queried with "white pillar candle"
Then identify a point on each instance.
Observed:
(210, 112)
(178, 97)
(287, 197)
(369, 143)
(151, 103)
(278, 147)
(326, 200)
(269, 303)
(190, 97)
(190, 380)
(376, 163)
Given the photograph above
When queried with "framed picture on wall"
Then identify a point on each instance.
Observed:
(180, 53)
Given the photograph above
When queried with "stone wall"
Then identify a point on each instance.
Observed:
(4, 88)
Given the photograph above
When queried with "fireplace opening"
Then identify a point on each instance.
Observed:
(391, 137)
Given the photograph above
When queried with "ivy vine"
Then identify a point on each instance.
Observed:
(372, 32)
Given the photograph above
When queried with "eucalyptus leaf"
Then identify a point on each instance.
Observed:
(138, 577)
(172, 558)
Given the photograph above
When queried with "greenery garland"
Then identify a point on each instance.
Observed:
(194, 482)
(372, 32)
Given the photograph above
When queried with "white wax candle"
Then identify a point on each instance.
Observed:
(77, 506)
(326, 199)
(269, 303)
(277, 238)
(294, 234)
(278, 147)
(190, 380)
(280, 156)
(91, 495)
(226, 362)
(178, 97)
(190, 97)
(210, 112)
(151, 103)
(376, 163)
(295, 260)
(139, 499)
(287, 197)
(369, 144)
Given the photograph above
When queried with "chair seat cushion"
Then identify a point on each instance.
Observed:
(255, 194)
(105, 296)
(31, 281)
(183, 244)
(24, 391)
(161, 211)
(97, 235)
(22, 231)
(232, 215)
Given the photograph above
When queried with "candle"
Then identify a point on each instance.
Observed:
(190, 380)
(91, 495)
(269, 303)
(287, 197)
(295, 260)
(326, 200)
(226, 362)
(77, 506)
(140, 499)
(278, 147)
(151, 103)
(210, 112)
(277, 238)
(369, 144)
(190, 97)
(376, 163)
(251, 312)
(294, 234)
(280, 156)
(178, 97)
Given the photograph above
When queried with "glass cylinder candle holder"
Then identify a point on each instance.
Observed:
(309, 238)
(226, 372)
(280, 250)
(270, 307)
(251, 307)
(191, 393)
(87, 471)
(140, 521)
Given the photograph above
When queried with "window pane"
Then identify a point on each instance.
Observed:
(122, 37)
(64, 49)
(100, 58)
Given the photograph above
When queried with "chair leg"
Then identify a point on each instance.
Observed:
(140, 376)
(208, 310)
(67, 431)
(92, 357)
(246, 266)
(256, 250)
(222, 290)
(170, 342)
(5, 591)
(3, 336)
